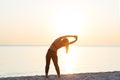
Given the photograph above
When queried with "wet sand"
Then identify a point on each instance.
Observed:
(81, 76)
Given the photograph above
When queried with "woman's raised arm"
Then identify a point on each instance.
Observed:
(73, 40)
(62, 37)
(67, 36)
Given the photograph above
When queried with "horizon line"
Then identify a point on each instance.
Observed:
(75, 45)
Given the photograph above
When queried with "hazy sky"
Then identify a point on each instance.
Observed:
(39, 22)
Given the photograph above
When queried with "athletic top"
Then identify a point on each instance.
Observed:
(57, 44)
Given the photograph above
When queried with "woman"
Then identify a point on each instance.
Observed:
(52, 52)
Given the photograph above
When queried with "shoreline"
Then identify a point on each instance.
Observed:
(113, 75)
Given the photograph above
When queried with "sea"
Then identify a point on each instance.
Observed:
(29, 60)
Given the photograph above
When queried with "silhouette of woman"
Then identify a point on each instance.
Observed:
(52, 52)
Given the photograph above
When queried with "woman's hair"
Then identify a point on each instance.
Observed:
(65, 40)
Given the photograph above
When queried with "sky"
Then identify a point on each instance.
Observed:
(39, 22)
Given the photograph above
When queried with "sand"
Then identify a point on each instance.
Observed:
(81, 76)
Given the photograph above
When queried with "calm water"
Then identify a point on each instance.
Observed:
(30, 60)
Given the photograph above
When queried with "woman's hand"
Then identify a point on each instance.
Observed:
(76, 37)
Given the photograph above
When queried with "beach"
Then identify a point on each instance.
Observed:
(115, 75)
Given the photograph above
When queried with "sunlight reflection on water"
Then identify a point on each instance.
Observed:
(30, 60)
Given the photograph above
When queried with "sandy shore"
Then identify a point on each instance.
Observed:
(81, 76)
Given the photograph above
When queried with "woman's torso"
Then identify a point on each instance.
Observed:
(56, 45)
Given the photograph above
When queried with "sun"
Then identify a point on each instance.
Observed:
(69, 22)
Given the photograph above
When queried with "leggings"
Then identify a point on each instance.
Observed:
(52, 55)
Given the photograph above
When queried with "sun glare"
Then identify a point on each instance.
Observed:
(68, 22)
(70, 60)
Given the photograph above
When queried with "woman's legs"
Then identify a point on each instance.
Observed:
(48, 58)
(55, 61)
(53, 55)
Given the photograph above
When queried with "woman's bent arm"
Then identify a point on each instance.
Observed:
(74, 40)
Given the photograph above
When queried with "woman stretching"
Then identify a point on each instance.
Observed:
(52, 52)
